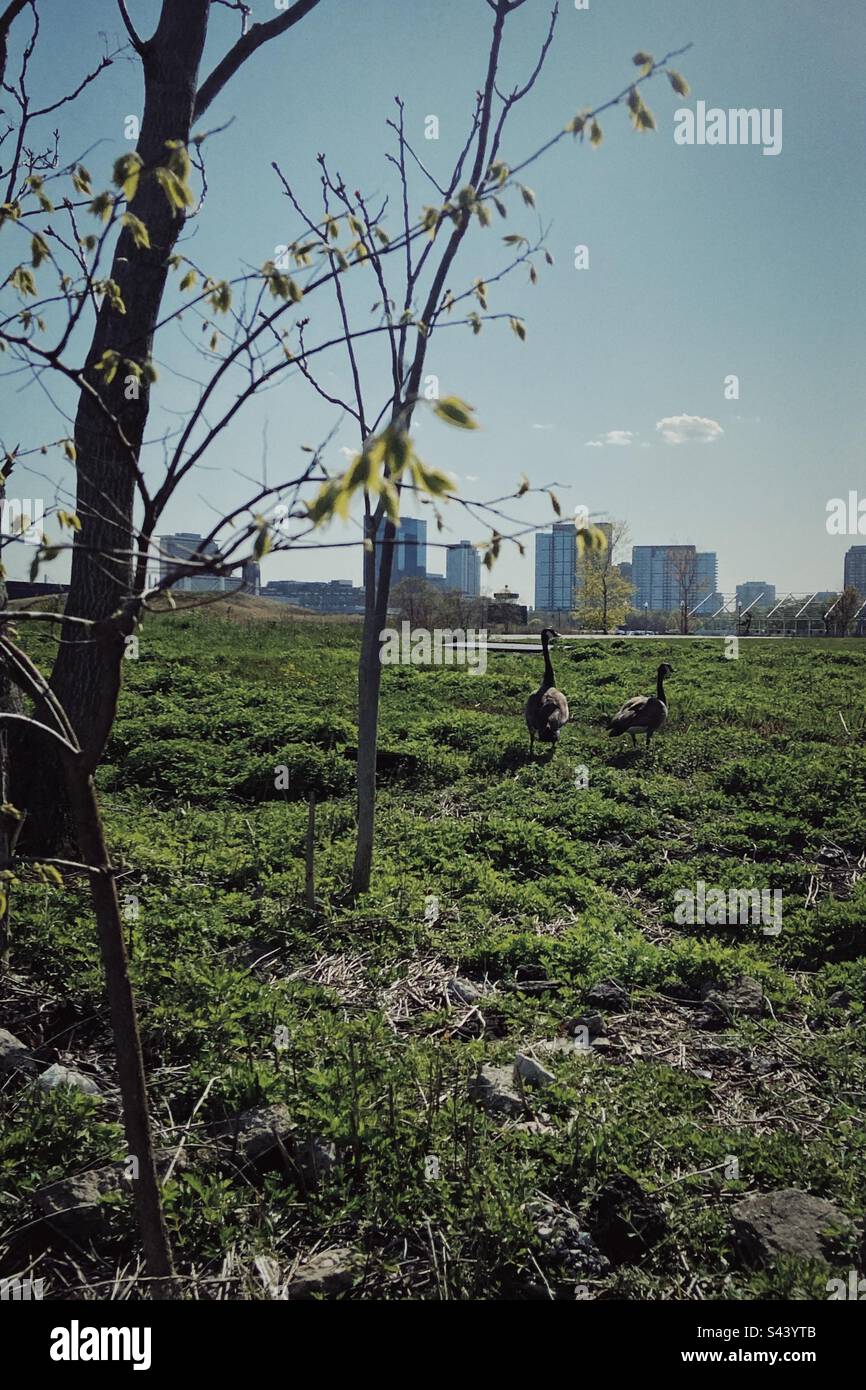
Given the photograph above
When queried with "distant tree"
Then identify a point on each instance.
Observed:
(683, 561)
(417, 602)
(416, 299)
(645, 620)
(460, 610)
(603, 595)
(840, 615)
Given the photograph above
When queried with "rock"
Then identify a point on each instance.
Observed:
(74, 1206)
(562, 1047)
(494, 1088)
(607, 994)
(832, 854)
(761, 1066)
(260, 1136)
(745, 997)
(592, 1023)
(839, 999)
(315, 1159)
(711, 1017)
(57, 1075)
(329, 1273)
(14, 1056)
(787, 1222)
(535, 973)
(529, 1070)
(625, 1221)
(464, 990)
(565, 1246)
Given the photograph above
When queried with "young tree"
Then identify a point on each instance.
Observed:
(840, 615)
(683, 563)
(603, 595)
(110, 419)
(478, 186)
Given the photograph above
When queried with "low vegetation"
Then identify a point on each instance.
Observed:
(512, 902)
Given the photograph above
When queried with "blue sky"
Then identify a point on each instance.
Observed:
(704, 261)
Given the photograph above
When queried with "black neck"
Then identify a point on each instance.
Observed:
(549, 678)
(660, 686)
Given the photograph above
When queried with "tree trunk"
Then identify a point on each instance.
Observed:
(11, 703)
(86, 679)
(378, 588)
(124, 1027)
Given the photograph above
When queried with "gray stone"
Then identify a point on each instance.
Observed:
(529, 1070)
(260, 1135)
(593, 1024)
(315, 1159)
(839, 999)
(625, 1221)
(494, 1088)
(787, 1222)
(74, 1206)
(745, 997)
(607, 994)
(57, 1075)
(567, 1252)
(464, 990)
(329, 1273)
(14, 1056)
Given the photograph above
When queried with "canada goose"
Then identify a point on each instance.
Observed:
(643, 714)
(547, 707)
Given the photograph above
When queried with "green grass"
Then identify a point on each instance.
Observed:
(752, 776)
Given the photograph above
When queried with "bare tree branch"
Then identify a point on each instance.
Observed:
(246, 45)
(137, 42)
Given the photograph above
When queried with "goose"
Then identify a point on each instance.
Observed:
(547, 708)
(643, 714)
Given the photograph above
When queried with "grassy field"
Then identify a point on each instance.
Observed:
(534, 882)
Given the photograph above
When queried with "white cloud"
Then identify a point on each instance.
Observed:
(542, 427)
(688, 429)
(620, 437)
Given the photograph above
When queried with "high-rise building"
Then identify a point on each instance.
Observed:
(665, 575)
(653, 579)
(595, 557)
(757, 594)
(463, 568)
(556, 568)
(174, 550)
(707, 572)
(855, 569)
(410, 550)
